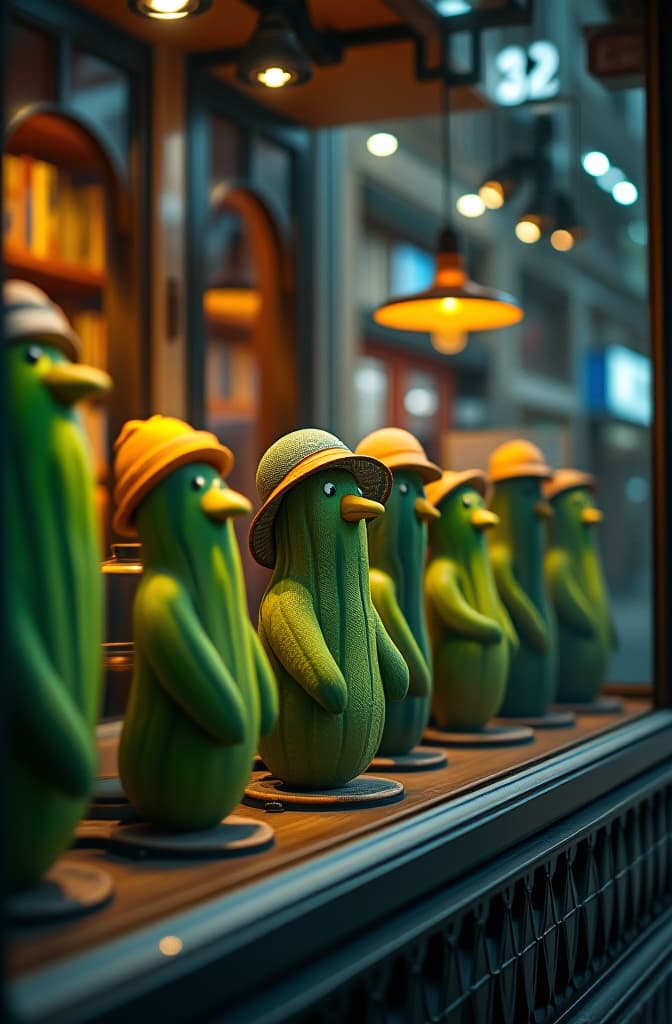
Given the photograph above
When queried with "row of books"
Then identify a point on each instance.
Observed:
(91, 327)
(51, 215)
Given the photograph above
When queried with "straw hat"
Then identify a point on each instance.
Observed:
(515, 459)
(149, 450)
(565, 480)
(30, 313)
(398, 449)
(451, 480)
(296, 456)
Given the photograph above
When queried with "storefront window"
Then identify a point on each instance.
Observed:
(101, 91)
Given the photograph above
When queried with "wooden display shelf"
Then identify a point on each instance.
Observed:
(148, 892)
(52, 273)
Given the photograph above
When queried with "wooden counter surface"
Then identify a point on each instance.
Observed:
(148, 891)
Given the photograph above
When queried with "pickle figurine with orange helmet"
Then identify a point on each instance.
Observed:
(517, 543)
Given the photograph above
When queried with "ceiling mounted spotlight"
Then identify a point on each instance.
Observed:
(169, 10)
(567, 229)
(274, 56)
(502, 183)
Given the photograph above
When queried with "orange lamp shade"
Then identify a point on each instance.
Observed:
(453, 304)
(232, 307)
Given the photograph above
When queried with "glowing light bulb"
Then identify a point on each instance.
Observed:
(470, 205)
(610, 178)
(492, 194)
(562, 240)
(625, 193)
(171, 945)
(595, 163)
(450, 343)
(274, 78)
(449, 305)
(382, 144)
(527, 231)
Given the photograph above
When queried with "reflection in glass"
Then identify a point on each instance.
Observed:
(101, 91)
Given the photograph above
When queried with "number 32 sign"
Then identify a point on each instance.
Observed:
(526, 74)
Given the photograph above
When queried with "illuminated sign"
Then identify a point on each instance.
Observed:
(526, 74)
(619, 383)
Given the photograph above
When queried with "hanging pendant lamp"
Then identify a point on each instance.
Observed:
(454, 304)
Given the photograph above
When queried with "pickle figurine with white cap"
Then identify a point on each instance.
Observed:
(334, 662)
(202, 688)
(54, 596)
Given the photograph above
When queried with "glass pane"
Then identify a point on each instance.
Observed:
(371, 395)
(272, 175)
(31, 67)
(101, 91)
(552, 211)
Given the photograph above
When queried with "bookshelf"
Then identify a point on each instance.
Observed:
(56, 200)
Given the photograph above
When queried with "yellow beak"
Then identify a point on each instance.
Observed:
(483, 519)
(219, 505)
(425, 510)
(592, 515)
(70, 382)
(354, 508)
(543, 510)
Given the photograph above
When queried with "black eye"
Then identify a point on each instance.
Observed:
(403, 488)
(198, 483)
(329, 489)
(33, 354)
(467, 501)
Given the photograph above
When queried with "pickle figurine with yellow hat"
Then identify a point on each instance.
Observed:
(517, 543)
(586, 634)
(334, 662)
(54, 597)
(202, 688)
(471, 632)
(397, 555)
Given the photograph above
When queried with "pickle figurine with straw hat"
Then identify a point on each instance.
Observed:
(202, 687)
(517, 543)
(54, 596)
(471, 632)
(397, 554)
(334, 662)
(586, 634)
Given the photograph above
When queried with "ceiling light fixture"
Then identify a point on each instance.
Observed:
(169, 10)
(453, 304)
(503, 182)
(382, 144)
(595, 163)
(624, 193)
(274, 57)
(470, 205)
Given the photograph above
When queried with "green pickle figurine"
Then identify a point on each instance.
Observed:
(586, 634)
(202, 688)
(517, 544)
(334, 662)
(397, 554)
(471, 632)
(54, 592)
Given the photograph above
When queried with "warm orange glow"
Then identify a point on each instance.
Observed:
(232, 307)
(528, 231)
(492, 194)
(449, 344)
(274, 78)
(170, 945)
(447, 315)
(562, 240)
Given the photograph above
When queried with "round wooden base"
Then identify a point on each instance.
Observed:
(549, 720)
(70, 889)
(420, 759)
(490, 735)
(235, 836)
(364, 791)
(601, 706)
